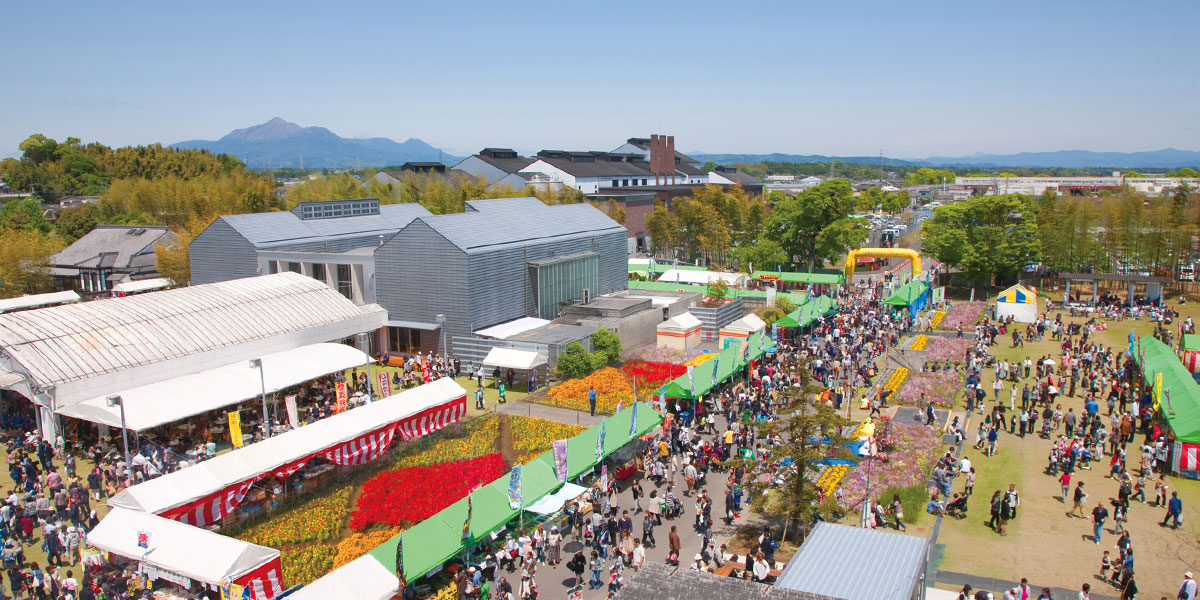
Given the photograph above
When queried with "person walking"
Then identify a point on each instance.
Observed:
(1078, 500)
(592, 401)
(1099, 516)
(1174, 511)
(1064, 482)
(673, 546)
(1187, 590)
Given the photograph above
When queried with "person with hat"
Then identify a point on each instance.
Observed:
(1187, 590)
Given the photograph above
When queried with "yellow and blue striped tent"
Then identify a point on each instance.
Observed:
(1018, 302)
(1017, 294)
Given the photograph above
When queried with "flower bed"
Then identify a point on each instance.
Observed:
(919, 342)
(536, 435)
(697, 361)
(410, 495)
(936, 321)
(662, 355)
(305, 563)
(896, 380)
(611, 389)
(358, 544)
(456, 442)
(963, 314)
(940, 388)
(318, 518)
(907, 455)
(652, 374)
(943, 349)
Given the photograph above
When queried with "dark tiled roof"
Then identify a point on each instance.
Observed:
(657, 581)
(508, 165)
(600, 168)
(109, 246)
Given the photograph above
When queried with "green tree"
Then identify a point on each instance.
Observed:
(25, 215)
(709, 166)
(607, 346)
(895, 203)
(25, 261)
(661, 227)
(927, 176)
(985, 236)
(575, 362)
(716, 290)
(1187, 172)
(765, 254)
(75, 222)
(797, 499)
(869, 200)
(815, 227)
(1133, 174)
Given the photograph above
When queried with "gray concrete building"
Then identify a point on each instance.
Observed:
(501, 259)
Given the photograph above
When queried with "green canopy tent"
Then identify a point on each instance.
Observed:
(1190, 341)
(728, 362)
(819, 307)
(809, 278)
(792, 319)
(1181, 408)
(796, 298)
(429, 544)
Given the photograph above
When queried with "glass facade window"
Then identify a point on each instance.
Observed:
(563, 279)
(345, 283)
(318, 272)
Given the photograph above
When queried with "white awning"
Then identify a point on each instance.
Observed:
(412, 325)
(554, 502)
(682, 322)
(506, 330)
(36, 300)
(703, 277)
(142, 285)
(181, 397)
(193, 552)
(195, 482)
(507, 358)
(363, 578)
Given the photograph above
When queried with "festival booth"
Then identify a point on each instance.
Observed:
(816, 283)
(740, 329)
(913, 295)
(1176, 398)
(1189, 345)
(704, 277)
(183, 561)
(681, 332)
(520, 361)
(818, 307)
(1017, 302)
(207, 492)
(708, 374)
(429, 544)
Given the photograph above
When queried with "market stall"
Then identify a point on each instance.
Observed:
(1176, 398)
(1017, 302)
(681, 332)
(1189, 345)
(206, 492)
(740, 330)
(913, 295)
(182, 561)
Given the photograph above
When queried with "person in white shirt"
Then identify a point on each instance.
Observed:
(1187, 591)
(639, 554)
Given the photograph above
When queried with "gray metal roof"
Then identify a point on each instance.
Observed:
(110, 246)
(491, 223)
(656, 581)
(77, 341)
(280, 228)
(857, 564)
(600, 168)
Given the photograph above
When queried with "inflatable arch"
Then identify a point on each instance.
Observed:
(912, 255)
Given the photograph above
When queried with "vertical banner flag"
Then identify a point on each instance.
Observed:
(341, 397)
(514, 488)
(745, 351)
(600, 440)
(235, 429)
(691, 380)
(143, 539)
(400, 564)
(466, 534)
(1157, 390)
(662, 397)
(604, 478)
(385, 385)
(715, 361)
(293, 415)
(560, 459)
(761, 344)
(633, 421)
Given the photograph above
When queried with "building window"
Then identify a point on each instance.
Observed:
(403, 340)
(345, 283)
(644, 181)
(294, 267)
(626, 183)
(318, 272)
(272, 267)
(616, 183)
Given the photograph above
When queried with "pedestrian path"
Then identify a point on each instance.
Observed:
(565, 416)
(997, 586)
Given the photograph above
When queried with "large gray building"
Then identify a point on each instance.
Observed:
(500, 260)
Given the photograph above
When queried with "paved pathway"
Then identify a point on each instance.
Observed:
(548, 413)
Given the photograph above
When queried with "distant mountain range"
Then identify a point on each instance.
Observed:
(1168, 158)
(279, 143)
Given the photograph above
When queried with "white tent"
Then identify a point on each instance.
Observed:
(703, 277)
(514, 327)
(363, 578)
(1018, 302)
(187, 395)
(508, 358)
(228, 470)
(36, 300)
(680, 332)
(193, 552)
(554, 502)
(749, 323)
(141, 285)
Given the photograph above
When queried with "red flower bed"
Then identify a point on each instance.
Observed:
(407, 496)
(652, 374)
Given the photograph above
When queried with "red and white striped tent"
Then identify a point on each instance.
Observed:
(201, 556)
(204, 493)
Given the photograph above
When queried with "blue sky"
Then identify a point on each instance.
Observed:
(912, 79)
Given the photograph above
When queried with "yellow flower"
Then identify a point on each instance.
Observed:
(920, 342)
